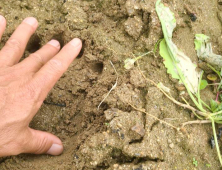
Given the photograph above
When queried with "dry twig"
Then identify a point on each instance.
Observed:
(113, 87)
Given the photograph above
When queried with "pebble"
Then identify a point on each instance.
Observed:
(115, 165)
(132, 7)
(178, 140)
(180, 87)
(133, 26)
(169, 141)
(171, 145)
(138, 129)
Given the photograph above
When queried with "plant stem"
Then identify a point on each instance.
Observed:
(156, 45)
(216, 142)
(198, 90)
(205, 105)
(192, 110)
(164, 122)
(137, 58)
(212, 68)
(188, 90)
(215, 114)
(217, 96)
(196, 122)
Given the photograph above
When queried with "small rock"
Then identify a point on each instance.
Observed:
(62, 19)
(111, 113)
(203, 66)
(193, 17)
(90, 57)
(154, 93)
(134, 26)
(115, 165)
(180, 87)
(95, 17)
(171, 145)
(76, 17)
(138, 129)
(212, 77)
(49, 21)
(178, 140)
(137, 79)
(132, 6)
(169, 141)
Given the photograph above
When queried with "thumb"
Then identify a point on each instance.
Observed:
(42, 142)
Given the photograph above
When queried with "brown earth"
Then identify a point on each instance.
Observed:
(116, 136)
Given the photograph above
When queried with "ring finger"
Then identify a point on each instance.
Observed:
(36, 60)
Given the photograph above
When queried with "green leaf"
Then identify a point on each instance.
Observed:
(219, 108)
(195, 163)
(219, 86)
(208, 165)
(220, 96)
(213, 105)
(203, 84)
(171, 69)
(156, 45)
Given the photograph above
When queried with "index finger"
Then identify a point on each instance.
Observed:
(49, 74)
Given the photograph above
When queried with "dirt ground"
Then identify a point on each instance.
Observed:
(116, 137)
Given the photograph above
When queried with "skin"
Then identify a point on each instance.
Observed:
(24, 86)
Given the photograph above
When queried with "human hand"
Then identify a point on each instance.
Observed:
(25, 85)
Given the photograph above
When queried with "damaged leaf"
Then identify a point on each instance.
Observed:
(129, 63)
(177, 63)
(164, 88)
(205, 52)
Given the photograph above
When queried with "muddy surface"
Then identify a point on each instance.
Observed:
(116, 136)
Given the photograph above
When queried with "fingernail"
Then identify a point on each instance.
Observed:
(55, 149)
(31, 21)
(2, 19)
(76, 42)
(54, 43)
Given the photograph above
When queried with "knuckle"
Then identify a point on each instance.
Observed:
(37, 58)
(41, 145)
(14, 44)
(55, 66)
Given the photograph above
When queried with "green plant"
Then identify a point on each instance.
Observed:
(195, 163)
(208, 165)
(181, 68)
(129, 62)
